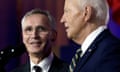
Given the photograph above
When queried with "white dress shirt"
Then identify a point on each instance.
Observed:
(44, 64)
(90, 38)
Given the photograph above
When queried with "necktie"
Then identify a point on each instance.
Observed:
(37, 69)
(75, 59)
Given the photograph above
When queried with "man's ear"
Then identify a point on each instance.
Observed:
(54, 35)
(88, 13)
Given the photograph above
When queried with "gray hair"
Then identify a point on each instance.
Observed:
(100, 6)
(39, 11)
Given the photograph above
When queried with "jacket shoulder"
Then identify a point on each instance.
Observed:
(58, 65)
(22, 68)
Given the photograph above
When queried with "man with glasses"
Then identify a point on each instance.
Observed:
(39, 34)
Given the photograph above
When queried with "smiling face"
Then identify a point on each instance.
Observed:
(73, 18)
(37, 33)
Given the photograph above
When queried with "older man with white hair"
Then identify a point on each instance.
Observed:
(86, 24)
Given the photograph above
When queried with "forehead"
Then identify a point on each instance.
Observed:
(70, 4)
(35, 19)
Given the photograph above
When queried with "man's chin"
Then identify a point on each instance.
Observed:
(69, 36)
(34, 49)
(35, 52)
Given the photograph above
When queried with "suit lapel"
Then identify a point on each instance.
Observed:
(58, 65)
(54, 62)
(26, 68)
(90, 50)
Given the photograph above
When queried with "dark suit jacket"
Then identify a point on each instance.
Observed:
(103, 55)
(57, 66)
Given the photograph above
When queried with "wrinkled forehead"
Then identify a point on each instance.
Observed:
(71, 3)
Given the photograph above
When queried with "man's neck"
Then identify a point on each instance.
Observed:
(36, 58)
(84, 33)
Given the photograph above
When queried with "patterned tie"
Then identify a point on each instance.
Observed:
(75, 59)
(37, 69)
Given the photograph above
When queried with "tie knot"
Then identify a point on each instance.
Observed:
(79, 50)
(37, 69)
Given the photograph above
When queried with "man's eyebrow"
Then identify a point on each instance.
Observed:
(42, 27)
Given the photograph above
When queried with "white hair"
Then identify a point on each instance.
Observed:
(100, 6)
(39, 11)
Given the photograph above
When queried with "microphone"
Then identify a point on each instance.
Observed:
(10, 52)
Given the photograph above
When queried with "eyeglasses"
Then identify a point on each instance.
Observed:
(38, 30)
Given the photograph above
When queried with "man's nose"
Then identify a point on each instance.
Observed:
(35, 34)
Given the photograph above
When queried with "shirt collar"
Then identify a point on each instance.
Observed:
(44, 64)
(91, 37)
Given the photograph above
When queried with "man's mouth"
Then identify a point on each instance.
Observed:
(36, 43)
(66, 28)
